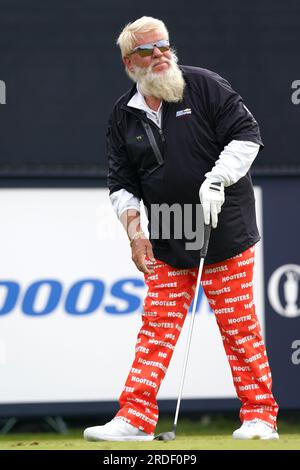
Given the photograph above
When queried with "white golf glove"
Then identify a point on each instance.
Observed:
(212, 197)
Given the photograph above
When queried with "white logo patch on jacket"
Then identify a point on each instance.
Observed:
(183, 112)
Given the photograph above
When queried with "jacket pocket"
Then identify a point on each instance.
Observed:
(153, 143)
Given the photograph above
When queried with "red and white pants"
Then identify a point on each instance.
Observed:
(228, 286)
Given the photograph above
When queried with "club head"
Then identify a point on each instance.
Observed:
(166, 436)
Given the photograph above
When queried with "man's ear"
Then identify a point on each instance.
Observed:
(128, 63)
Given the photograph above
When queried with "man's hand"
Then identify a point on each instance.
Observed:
(140, 248)
(212, 197)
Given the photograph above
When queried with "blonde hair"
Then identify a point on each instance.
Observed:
(145, 24)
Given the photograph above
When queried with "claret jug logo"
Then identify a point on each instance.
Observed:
(283, 290)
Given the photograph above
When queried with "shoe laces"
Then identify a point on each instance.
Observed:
(255, 422)
(251, 423)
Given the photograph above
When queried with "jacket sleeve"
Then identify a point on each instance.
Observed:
(121, 173)
(232, 119)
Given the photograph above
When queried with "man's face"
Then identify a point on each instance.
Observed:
(159, 61)
(158, 74)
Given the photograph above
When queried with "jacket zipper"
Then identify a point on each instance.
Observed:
(153, 142)
(162, 135)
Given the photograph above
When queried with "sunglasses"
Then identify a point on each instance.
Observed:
(146, 50)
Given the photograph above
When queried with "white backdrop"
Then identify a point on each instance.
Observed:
(69, 235)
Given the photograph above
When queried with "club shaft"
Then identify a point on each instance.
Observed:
(187, 349)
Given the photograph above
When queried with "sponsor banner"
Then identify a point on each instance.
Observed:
(71, 302)
(282, 286)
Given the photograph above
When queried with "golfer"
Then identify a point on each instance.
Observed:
(180, 136)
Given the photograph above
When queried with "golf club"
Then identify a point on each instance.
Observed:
(171, 435)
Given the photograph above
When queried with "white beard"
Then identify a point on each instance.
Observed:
(167, 85)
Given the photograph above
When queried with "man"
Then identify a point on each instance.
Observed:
(178, 130)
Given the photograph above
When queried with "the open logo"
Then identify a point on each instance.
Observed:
(283, 290)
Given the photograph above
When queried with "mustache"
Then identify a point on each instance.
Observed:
(159, 62)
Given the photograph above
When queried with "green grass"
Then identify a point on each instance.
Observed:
(191, 435)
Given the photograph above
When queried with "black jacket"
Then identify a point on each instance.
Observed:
(189, 145)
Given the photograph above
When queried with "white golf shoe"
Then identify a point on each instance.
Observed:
(255, 429)
(116, 430)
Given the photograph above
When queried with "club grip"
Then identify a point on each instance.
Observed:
(207, 230)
